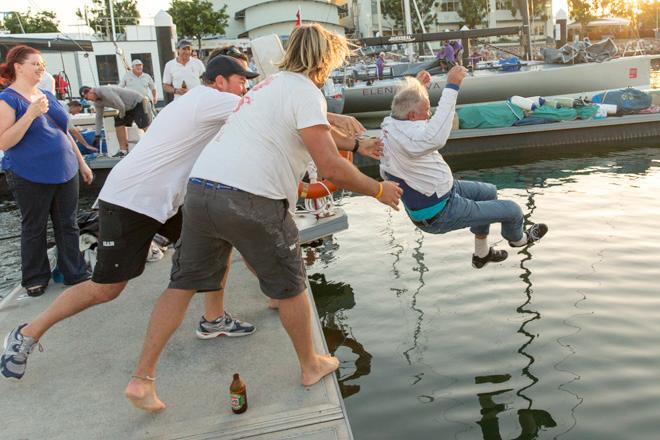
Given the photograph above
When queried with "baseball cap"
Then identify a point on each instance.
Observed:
(83, 90)
(136, 62)
(183, 43)
(226, 66)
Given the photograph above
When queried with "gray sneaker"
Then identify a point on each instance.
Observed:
(223, 326)
(17, 350)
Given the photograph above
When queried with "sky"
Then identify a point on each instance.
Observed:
(66, 9)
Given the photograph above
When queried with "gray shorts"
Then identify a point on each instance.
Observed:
(262, 230)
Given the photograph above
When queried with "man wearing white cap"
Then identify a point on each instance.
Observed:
(183, 72)
(139, 81)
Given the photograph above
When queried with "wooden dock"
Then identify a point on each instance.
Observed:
(74, 389)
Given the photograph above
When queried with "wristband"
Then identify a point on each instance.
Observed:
(356, 146)
(380, 191)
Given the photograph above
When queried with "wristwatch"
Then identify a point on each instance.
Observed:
(356, 146)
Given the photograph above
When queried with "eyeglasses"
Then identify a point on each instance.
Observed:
(36, 64)
(231, 50)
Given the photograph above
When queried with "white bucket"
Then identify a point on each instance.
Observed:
(609, 108)
(523, 103)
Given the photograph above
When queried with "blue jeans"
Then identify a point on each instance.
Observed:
(475, 205)
(36, 202)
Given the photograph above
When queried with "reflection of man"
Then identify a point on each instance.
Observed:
(139, 81)
(75, 107)
(183, 72)
(132, 106)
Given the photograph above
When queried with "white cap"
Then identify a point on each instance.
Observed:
(136, 62)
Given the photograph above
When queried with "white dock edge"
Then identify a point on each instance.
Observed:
(74, 389)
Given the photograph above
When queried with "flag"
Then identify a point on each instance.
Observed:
(298, 18)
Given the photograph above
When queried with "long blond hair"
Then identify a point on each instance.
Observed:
(314, 51)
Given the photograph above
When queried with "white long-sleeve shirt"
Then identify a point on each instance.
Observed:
(411, 148)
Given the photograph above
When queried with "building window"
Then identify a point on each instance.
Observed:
(504, 5)
(146, 61)
(374, 8)
(107, 68)
(449, 6)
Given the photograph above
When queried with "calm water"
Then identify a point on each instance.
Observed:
(558, 342)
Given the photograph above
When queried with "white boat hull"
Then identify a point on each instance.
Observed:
(534, 80)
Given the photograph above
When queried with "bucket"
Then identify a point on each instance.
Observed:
(609, 108)
(523, 103)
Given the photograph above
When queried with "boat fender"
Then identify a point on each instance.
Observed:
(322, 188)
(523, 103)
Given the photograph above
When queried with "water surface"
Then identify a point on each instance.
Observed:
(559, 341)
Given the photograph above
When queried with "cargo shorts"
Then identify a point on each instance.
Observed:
(216, 218)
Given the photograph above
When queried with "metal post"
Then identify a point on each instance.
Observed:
(408, 19)
(526, 34)
(380, 19)
(112, 20)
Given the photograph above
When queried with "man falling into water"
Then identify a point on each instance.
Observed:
(434, 201)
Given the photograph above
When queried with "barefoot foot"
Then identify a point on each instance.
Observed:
(273, 304)
(142, 394)
(324, 365)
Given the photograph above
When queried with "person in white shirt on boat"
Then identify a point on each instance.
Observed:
(239, 194)
(140, 81)
(142, 196)
(434, 201)
(183, 73)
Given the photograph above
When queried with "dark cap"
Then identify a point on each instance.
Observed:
(226, 66)
(183, 43)
(83, 91)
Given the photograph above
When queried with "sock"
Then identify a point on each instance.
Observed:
(481, 247)
(521, 242)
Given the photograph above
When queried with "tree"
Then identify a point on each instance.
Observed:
(427, 9)
(196, 18)
(537, 8)
(98, 16)
(473, 12)
(582, 11)
(31, 22)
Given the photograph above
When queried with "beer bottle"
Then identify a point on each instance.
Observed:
(238, 392)
(183, 84)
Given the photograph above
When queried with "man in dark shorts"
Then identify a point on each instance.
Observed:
(132, 107)
(143, 197)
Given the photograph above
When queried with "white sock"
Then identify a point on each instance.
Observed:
(481, 247)
(521, 242)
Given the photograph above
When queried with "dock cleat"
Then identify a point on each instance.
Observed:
(225, 325)
(494, 256)
(16, 351)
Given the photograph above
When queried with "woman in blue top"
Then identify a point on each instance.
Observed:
(41, 164)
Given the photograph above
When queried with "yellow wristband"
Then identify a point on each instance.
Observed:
(380, 190)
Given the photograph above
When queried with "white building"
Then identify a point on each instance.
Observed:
(254, 18)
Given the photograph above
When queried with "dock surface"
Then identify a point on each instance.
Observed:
(74, 389)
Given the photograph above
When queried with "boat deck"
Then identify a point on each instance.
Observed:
(74, 389)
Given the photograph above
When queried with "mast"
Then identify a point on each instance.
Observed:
(112, 21)
(408, 19)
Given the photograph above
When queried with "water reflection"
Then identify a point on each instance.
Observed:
(332, 300)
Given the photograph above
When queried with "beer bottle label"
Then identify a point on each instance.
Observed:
(237, 401)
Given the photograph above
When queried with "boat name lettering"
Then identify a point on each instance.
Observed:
(378, 91)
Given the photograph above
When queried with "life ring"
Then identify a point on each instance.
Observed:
(323, 187)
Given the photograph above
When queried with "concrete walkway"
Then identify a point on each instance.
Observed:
(74, 389)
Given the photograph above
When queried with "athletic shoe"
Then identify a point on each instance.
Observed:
(155, 253)
(494, 256)
(534, 234)
(17, 350)
(120, 153)
(223, 326)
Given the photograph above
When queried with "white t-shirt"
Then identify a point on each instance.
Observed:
(259, 150)
(176, 73)
(143, 84)
(152, 179)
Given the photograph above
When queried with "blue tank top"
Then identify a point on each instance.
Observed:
(44, 154)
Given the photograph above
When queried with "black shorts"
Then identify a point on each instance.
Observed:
(124, 241)
(140, 114)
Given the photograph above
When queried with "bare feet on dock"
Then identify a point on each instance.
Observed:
(326, 364)
(273, 304)
(142, 394)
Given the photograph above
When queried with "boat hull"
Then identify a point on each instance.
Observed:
(534, 80)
